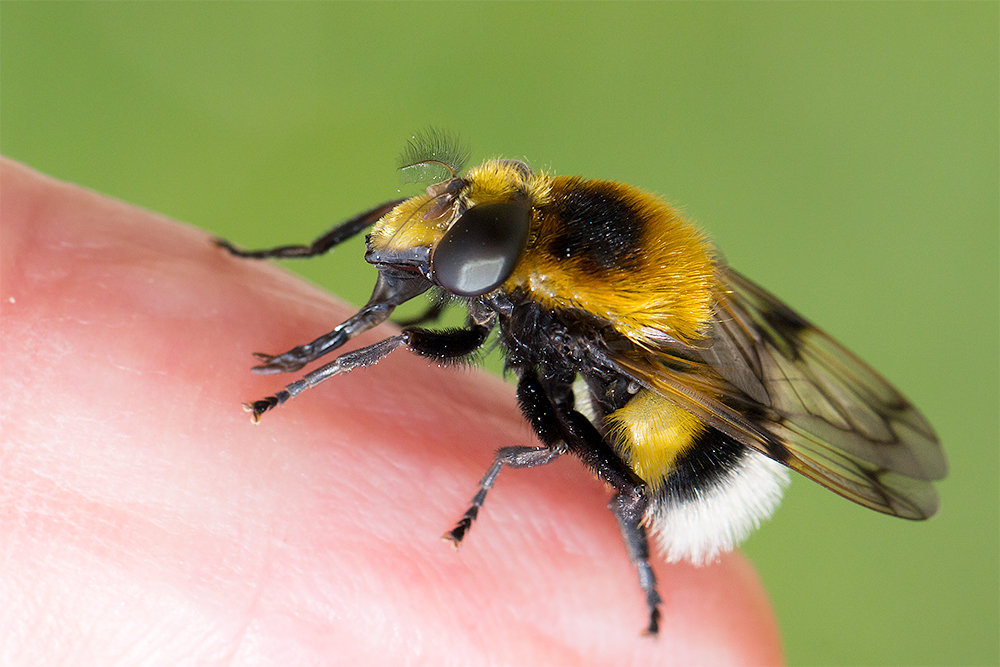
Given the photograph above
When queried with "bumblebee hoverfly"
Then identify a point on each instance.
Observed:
(687, 388)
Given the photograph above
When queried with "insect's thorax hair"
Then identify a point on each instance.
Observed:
(621, 255)
(600, 247)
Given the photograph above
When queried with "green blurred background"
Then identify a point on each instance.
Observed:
(843, 154)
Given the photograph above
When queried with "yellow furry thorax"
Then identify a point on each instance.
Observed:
(666, 292)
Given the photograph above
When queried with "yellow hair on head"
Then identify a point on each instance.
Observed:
(407, 227)
(499, 180)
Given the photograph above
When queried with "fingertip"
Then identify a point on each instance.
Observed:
(347, 486)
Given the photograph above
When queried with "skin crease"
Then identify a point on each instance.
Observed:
(145, 520)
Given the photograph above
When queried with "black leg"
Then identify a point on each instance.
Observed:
(513, 457)
(586, 442)
(439, 345)
(629, 511)
(630, 501)
(447, 345)
(365, 356)
(538, 412)
(537, 408)
(297, 357)
(390, 291)
(338, 234)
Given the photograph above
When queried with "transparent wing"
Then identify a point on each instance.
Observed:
(775, 382)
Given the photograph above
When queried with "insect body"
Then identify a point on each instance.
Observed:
(687, 388)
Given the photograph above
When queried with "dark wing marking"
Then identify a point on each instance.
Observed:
(775, 382)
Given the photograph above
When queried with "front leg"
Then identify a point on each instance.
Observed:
(391, 289)
(440, 345)
(297, 357)
(376, 311)
(323, 244)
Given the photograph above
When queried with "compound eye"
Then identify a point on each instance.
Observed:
(480, 250)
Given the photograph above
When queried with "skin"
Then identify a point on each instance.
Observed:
(144, 519)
